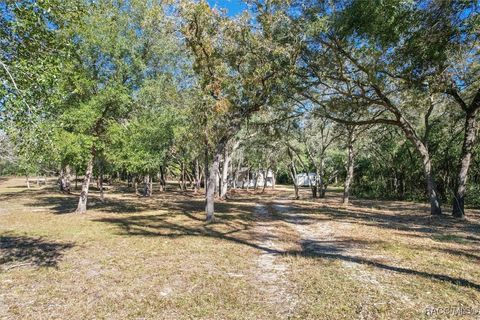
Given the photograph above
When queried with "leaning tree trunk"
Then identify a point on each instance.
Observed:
(293, 174)
(82, 201)
(421, 148)
(211, 182)
(435, 208)
(471, 128)
(350, 165)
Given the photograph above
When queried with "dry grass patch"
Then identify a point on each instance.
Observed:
(156, 258)
(359, 262)
(140, 263)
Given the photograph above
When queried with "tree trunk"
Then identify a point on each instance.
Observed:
(265, 174)
(321, 181)
(61, 180)
(27, 181)
(150, 189)
(317, 183)
(274, 180)
(100, 184)
(180, 178)
(465, 159)
(67, 178)
(226, 165)
(163, 183)
(184, 180)
(314, 188)
(218, 182)
(64, 181)
(293, 174)
(435, 208)
(159, 177)
(205, 182)
(197, 176)
(350, 164)
(146, 186)
(237, 174)
(212, 178)
(82, 201)
(135, 185)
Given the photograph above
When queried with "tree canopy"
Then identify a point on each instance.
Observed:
(381, 97)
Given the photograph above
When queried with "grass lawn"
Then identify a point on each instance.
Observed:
(267, 256)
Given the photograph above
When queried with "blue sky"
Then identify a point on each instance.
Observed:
(233, 6)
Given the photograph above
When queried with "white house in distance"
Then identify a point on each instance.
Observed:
(246, 178)
(305, 179)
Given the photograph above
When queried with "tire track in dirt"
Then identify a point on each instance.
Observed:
(272, 272)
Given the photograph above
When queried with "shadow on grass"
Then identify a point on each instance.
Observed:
(157, 226)
(407, 220)
(67, 203)
(20, 250)
(315, 249)
(6, 196)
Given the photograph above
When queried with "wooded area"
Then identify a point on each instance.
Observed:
(140, 90)
(379, 99)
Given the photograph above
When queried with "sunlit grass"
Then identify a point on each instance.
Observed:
(133, 257)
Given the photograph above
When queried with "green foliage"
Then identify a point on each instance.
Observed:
(140, 85)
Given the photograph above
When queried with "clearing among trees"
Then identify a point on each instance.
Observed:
(267, 256)
(234, 159)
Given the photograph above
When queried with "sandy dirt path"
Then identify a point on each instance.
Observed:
(272, 272)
